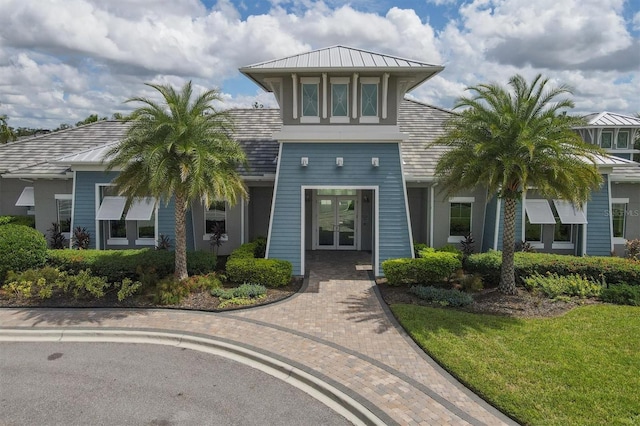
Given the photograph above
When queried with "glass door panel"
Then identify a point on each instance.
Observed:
(346, 223)
(326, 222)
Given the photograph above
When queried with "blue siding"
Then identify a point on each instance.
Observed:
(84, 204)
(518, 224)
(489, 224)
(285, 233)
(167, 222)
(598, 222)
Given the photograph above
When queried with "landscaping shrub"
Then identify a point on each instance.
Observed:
(418, 247)
(443, 296)
(613, 270)
(45, 282)
(430, 267)
(472, 282)
(243, 267)
(621, 294)
(633, 249)
(170, 291)
(29, 221)
(246, 291)
(209, 281)
(553, 285)
(21, 248)
(450, 248)
(140, 264)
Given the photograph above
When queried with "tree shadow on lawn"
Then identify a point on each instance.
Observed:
(433, 320)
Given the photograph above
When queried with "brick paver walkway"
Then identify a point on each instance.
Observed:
(337, 330)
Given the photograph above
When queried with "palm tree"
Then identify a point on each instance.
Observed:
(508, 140)
(180, 148)
(6, 132)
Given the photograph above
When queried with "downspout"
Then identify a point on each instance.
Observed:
(432, 202)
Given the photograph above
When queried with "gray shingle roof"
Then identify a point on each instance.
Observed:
(424, 123)
(253, 130)
(34, 155)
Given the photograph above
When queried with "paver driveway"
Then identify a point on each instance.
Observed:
(337, 329)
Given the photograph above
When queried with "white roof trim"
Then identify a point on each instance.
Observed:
(111, 208)
(141, 209)
(26, 198)
(539, 212)
(569, 214)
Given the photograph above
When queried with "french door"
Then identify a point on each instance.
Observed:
(336, 222)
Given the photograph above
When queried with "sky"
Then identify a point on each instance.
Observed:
(62, 60)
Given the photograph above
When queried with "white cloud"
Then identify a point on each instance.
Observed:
(88, 56)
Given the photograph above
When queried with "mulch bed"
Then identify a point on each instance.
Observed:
(491, 301)
(201, 301)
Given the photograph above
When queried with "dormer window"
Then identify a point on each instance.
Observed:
(369, 99)
(339, 100)
(606, 140)
(310, 99)
(623, 140)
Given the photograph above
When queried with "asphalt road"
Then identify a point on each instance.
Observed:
(142, 384)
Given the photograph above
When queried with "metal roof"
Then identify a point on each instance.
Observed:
(341, 59)
(611, 119)
(35, 155)
(338, 57)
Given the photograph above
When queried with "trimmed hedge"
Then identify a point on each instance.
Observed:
(613, 270)
(29, 221)
(443, 296)
(117, 265)
(621, 294)
(430, 267)
(21, 248)
(244, 267)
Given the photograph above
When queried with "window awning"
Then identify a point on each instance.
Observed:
(26, 199)
(539, 212)
(569, 214)
(141, 209)
(111, 208)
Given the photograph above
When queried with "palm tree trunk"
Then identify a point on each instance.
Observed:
(181, 238)
(507, 274)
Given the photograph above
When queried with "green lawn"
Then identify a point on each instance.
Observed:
(579, 369)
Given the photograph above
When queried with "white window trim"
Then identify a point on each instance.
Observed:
(67, 197)
(308, 119)
(618, 138)
(342, 119)
(207, 237)
(612, 139)
(148, 241)
(619, 240)
(370, 119)
(468, 200)
(116, 241)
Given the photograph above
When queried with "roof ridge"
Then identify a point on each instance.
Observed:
(415, 101)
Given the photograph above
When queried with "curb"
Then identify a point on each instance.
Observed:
(318, 389)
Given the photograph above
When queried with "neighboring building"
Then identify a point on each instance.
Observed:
(342, 165)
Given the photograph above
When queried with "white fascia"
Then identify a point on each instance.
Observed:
(340, 133)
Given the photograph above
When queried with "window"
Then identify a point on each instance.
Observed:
(147, 228)
(623, 140)
(339, 100)
(606, 140)
(532, 231)
(215, 219)
(310, 99)
(459, 219)
(369, 99)
(562, 231)
(63, 212)
(112, 210)
(618, 217)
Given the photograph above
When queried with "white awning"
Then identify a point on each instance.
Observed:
(141, 209)
(26, 199)
(539, 212)
(111, 208)
(569, 214)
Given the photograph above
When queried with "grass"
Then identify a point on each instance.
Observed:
(582, 368)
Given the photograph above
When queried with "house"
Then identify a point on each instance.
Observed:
(341, 165)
